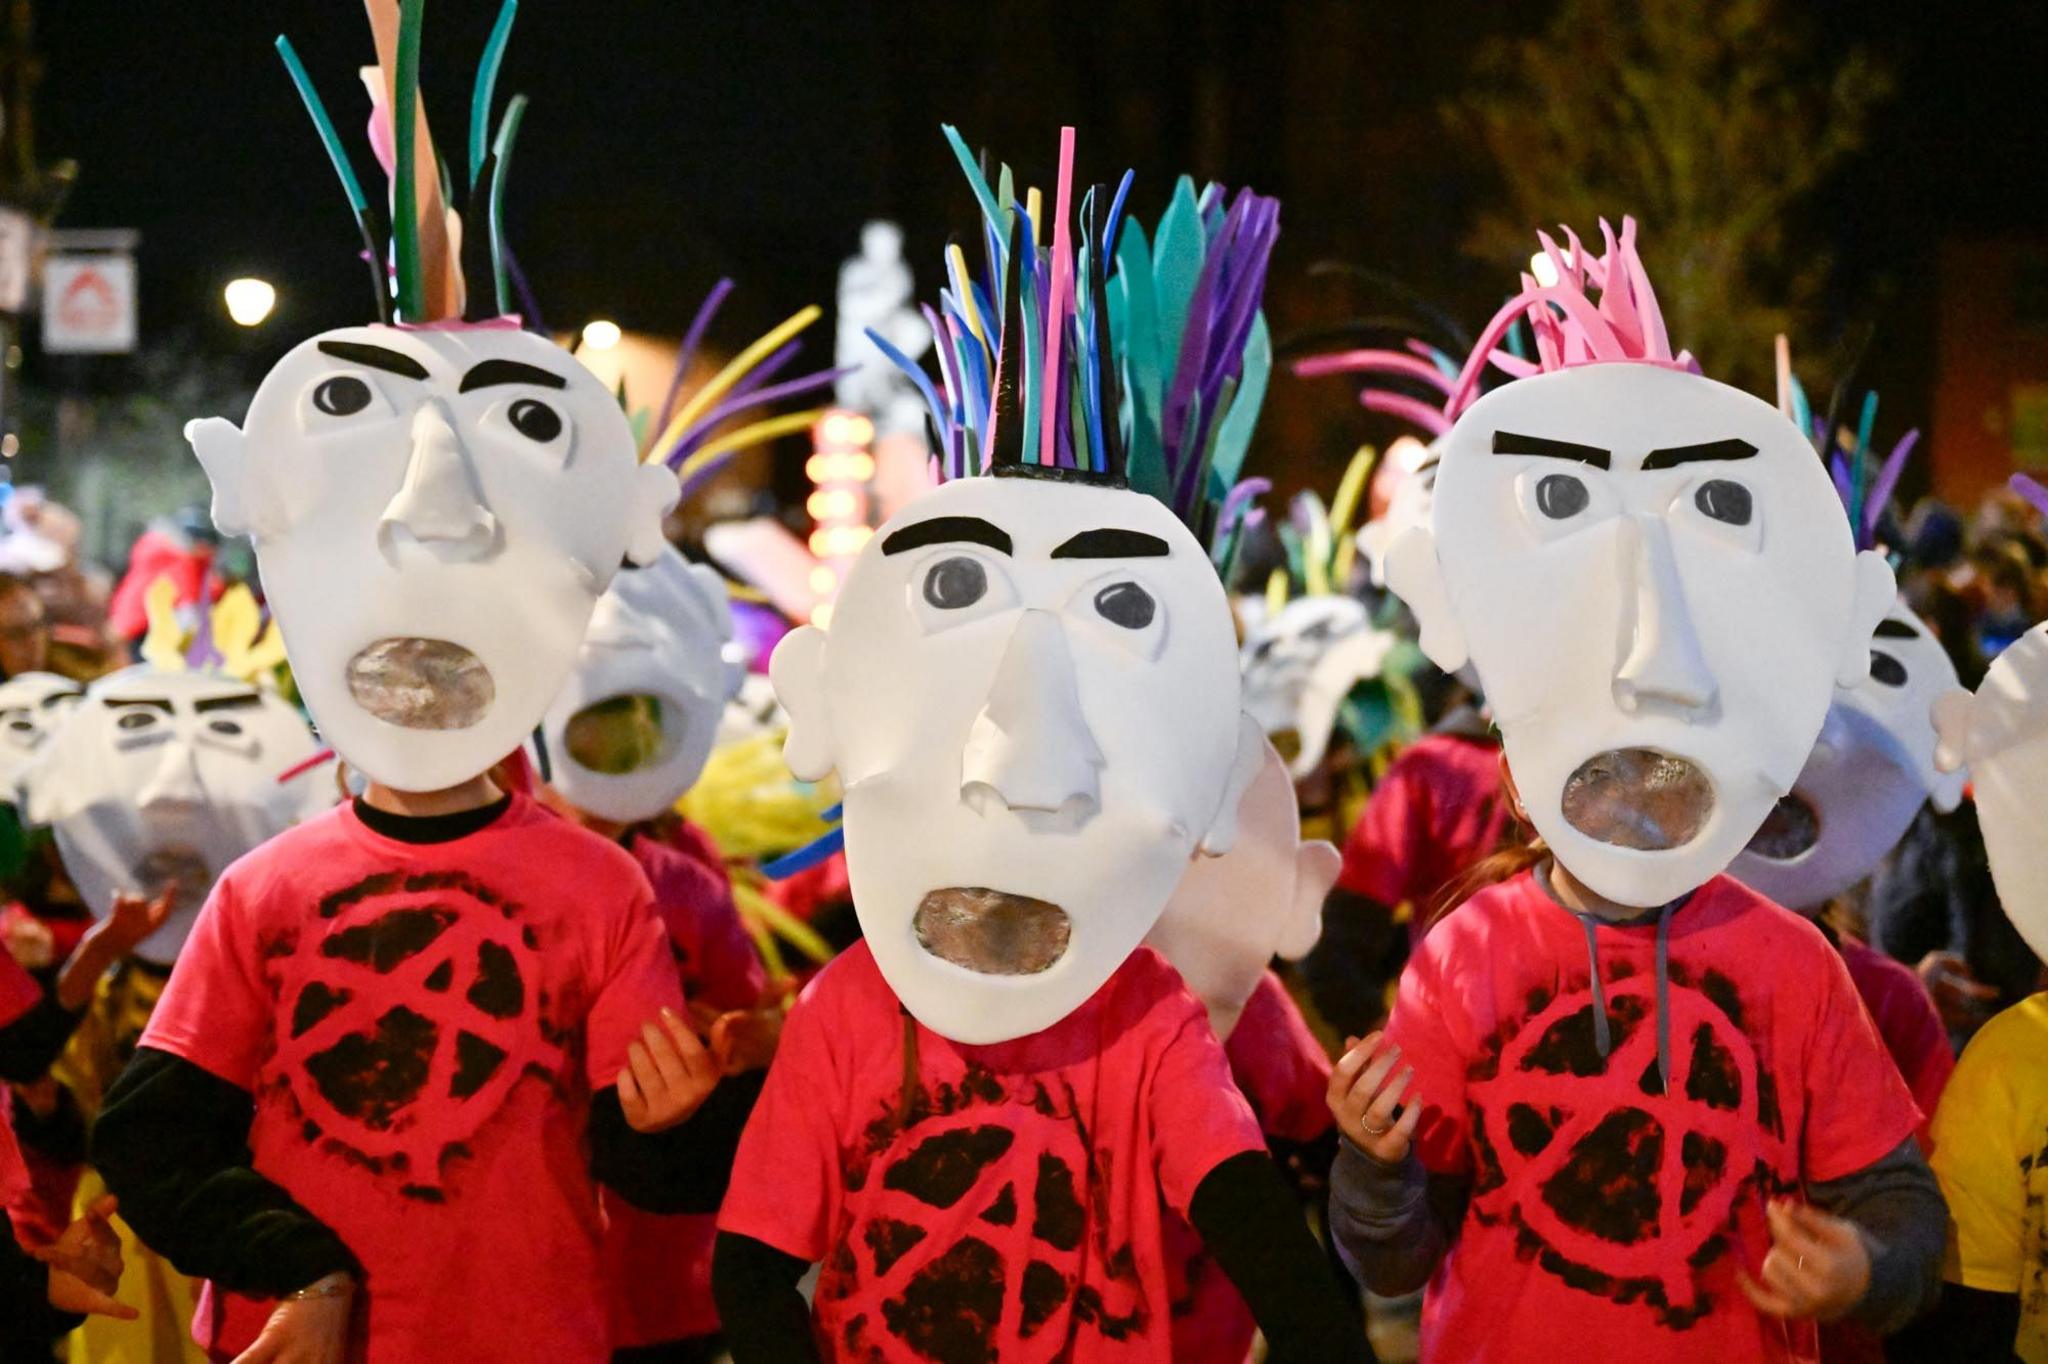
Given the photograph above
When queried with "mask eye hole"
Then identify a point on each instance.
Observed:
(1126, 604)
(956, 583)
(231, 728)
(1724, 500)
(1561, 496)
(1886, 670)
(136, 720)
(534, 420)
(343, 395)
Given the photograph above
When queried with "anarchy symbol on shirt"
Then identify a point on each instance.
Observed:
(1613, 1172)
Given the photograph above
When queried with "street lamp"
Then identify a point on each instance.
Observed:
(600, 335)
(249, 301)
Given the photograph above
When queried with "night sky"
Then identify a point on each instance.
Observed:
(671, 142)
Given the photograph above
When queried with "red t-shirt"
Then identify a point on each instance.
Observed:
(1437, 811)
(658, 1268)
(421, 1027)
(1907, 1021)
(1608, 1218)
(1284, 1074)
(19, 993)
(976, 1202)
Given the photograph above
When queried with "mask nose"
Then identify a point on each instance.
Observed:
(1030, 747)
(439, 504)
(1663, 667)
(174, 786)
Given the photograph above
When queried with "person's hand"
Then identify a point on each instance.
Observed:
(1363, 1099)
(1960, 998)
(131, 919)
(85, 1265)
(308, 1330)
(1817, 1268)
(745, 1039)
(669, 1072)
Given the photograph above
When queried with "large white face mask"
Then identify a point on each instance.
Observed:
(1299, 665)
(1030, 694)
(1865, 780)
(630, 731)
(2001, 735)
(1652, 574)
(435, 513)
(164, 778)
(1231, 915)
(32, 706)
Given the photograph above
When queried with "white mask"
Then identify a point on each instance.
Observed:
(1029, 688)
(630, 731)
(1869, 773)
(435, 513)
(1299, 665)
(2001, 735)
(162, 777)
(1231, 915)
(32, 706)
(1659, 645)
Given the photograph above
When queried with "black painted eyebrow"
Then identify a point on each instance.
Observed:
(1896, 629)
(485, 373)
(140, 703)
(1513, 443)
(54, 697)
(1732, 448)
(244, 701)
(941, 530)
(376, 357)
(1113, 543)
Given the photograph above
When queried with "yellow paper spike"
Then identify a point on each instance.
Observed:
(1342, 560)
(1350, 490)
(1031, 205)
(163, 647)
(956, 266)
(236, 621)
(1276, 591)
(702, 399)
(1315, 560)
(752, 434)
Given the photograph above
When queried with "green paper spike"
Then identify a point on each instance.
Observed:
(1177, 256)
(405, 208)
(1031, 383)
(1234, 438)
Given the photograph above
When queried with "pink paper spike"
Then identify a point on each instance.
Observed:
(1057, 304)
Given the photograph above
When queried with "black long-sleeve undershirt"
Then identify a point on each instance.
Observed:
(1968, 1323)
(28, 1324)
(32, 1042)
(1245, 1213)
(683, 1169)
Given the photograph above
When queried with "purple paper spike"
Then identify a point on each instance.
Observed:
(741, 395)
(688, 351)
(1887, 482)
(702, 431)
(1838, 469)
(201, 654)
(529, 306)
(2030, 489)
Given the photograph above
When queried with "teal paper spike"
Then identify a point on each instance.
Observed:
(1031, 382)
(1802, 412)
(1234, 435)
(1134, 333)
(972, 167)
(1006, 187)
(641, 420)
(1177, 268)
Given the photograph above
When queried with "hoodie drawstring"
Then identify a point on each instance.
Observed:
(1603, 1037)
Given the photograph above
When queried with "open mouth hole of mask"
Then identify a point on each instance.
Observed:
(181, 870)
(421, 683)
(1638, 798)
(1789, 830)
(991, 932)
(618, 735)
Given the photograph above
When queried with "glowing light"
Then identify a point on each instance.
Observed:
(10, 445)
(833, 504)
(821, 615)
(845, 430)
(840, 467)
(823, 580)
(1546, 273)
(249, 301)
(839, 542)
(601, 334)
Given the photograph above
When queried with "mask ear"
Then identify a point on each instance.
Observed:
(655, 490)
(1952, 711)
(1251, 756)
(797, 668)
(1876, 590)
(218, 443)
(1415, 576)
(1316, 865)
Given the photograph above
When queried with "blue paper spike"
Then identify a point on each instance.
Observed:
(1116, 217)
(916, 373)
(1177, 257)
(806, 857)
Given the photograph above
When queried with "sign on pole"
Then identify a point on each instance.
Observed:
(89, 304)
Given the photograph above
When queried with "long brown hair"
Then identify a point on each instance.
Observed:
(1490, 870)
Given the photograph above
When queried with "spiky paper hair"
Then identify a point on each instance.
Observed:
(1112, 359)
(438, 269)
(1569, 328)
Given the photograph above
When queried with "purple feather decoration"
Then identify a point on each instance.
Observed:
(2030, 489)
(688, 352)
(1887, 482)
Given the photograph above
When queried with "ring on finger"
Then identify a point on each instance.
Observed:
(1372, 1131)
